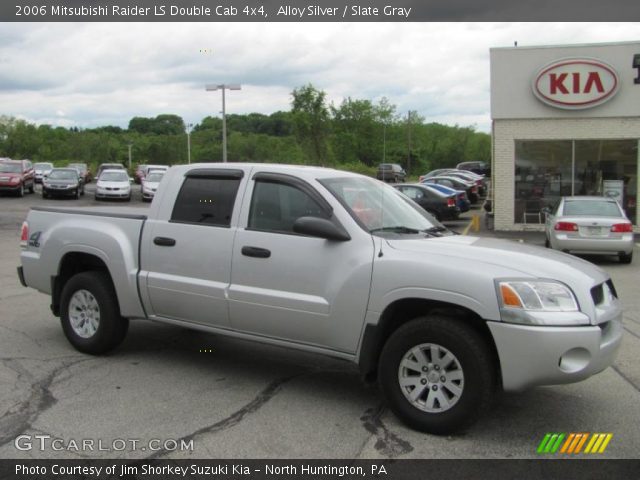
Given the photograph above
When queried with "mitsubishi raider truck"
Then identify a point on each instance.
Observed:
(334, 263)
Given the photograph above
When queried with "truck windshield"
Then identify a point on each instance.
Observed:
(379, 207)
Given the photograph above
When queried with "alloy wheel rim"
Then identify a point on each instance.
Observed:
(431, 378)
(84, 313)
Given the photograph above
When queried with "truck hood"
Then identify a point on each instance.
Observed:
(522, 259)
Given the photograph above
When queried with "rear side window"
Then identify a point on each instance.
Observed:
(276, 206)
(206, 201)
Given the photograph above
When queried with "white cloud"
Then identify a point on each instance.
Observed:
(106, 73)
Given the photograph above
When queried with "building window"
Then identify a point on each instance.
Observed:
(546, 170)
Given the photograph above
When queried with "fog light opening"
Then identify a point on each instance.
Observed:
(574, 360)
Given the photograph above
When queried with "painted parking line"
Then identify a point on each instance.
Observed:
(467, 228)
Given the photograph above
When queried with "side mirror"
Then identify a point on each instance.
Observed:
(546, 211)
(320, 227)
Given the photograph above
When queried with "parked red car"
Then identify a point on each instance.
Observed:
(16, 176)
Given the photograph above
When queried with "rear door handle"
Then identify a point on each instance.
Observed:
(256, 252)
(164, 241)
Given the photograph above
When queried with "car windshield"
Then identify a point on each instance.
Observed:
(43, 166)
(10, 168)
(155, 177)
(379, 207)
(63, 175)
(79, 167)
(114, 177)
(591, 208)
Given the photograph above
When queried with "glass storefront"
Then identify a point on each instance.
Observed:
(545, 170)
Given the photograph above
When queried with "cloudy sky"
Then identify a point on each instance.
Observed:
(98, 74)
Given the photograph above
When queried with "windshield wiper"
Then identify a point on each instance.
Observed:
(395, 229)
(436, 229)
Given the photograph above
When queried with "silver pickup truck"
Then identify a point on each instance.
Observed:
(329, 262)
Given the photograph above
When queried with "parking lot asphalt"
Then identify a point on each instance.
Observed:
(237, 399)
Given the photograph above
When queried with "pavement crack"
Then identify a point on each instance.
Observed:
(235, 418)
(632, 333)
(21, 415)
(624, 377)
(387, 442)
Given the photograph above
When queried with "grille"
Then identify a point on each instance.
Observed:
(597, 292)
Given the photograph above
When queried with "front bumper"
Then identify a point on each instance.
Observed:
(66, 191)
(538, 355)
(113, 194)
(6, 187)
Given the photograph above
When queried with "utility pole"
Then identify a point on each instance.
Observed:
(129, 146)
(189, 125)
(409, 141)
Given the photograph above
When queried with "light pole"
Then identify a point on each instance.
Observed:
(189, 125)
(223, 87)
(129, 146)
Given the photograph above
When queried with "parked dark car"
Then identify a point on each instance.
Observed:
(438, 204)
(480, 168)
(458, 184)
(63, 182)
(462, 201)
(391, 172)
(16, 176)
(84, 170)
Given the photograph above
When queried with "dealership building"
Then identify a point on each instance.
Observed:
(566, 121)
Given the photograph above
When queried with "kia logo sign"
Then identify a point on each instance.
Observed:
(576, 83)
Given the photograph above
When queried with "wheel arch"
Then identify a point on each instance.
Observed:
(71, 264)
(402, 311)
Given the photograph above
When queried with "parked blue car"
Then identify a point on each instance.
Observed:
(462, 201)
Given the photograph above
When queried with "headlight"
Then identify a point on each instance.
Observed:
(14, 180)
(539, 302)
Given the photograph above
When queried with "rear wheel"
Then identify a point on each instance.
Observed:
(90, 316)
(437, 374)
(625, 257)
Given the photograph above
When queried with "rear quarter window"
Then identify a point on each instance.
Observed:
(206, 201)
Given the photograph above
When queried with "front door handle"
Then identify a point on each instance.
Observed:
(256, 252)
(164, 241)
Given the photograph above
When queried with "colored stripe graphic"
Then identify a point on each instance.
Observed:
(550, 443)
(574, 442)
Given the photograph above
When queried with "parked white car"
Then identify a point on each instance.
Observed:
(113, 184)
(150, 184)
(41, 170)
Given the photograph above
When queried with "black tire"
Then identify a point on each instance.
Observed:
(547, 243)
(475, 362)
(111, 329)
(82, 191)
(44, 194)
(626, 257)
(21, 190)
(31, 187)
(128, 198)
(77, 194)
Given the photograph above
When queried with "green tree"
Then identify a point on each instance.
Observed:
(311, 122)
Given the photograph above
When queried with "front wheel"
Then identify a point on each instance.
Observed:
(90, 316)
(437, 374)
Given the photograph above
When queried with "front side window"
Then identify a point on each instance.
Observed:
(206, 201)
(377, 206)
(276, 206)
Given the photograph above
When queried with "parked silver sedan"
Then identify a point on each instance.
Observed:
(589, 225)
